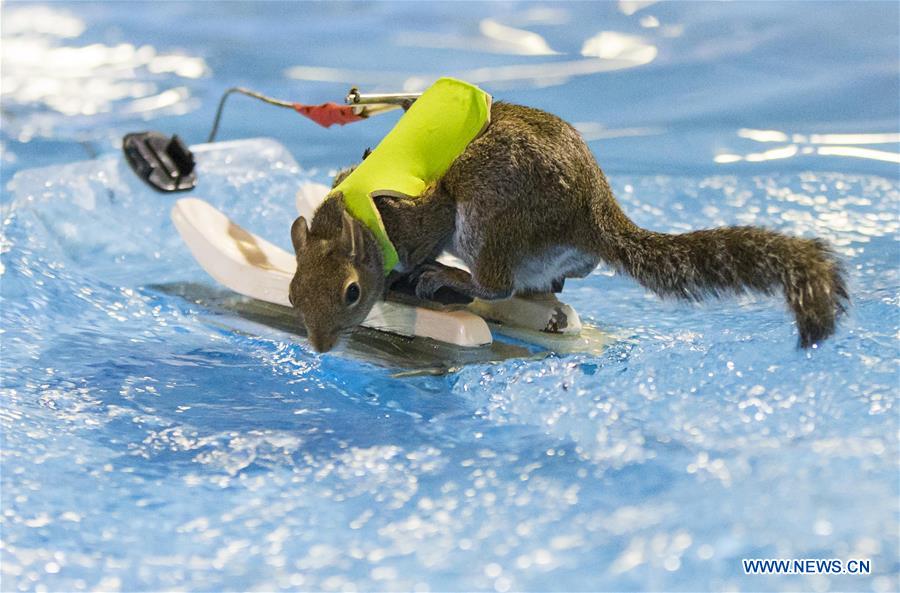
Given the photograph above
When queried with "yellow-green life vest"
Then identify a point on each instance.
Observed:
(417, 152)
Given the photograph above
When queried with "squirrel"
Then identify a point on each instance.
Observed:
(526, 206)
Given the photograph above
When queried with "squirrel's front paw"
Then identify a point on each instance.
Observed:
(442, 284)
(428, 280)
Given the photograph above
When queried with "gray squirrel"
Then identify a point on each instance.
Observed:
(526, 206)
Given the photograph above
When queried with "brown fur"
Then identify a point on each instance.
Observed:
(526, 205)
(337, 250)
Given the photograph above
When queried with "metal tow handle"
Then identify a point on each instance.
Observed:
(372, 103)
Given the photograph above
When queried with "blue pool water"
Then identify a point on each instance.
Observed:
(153, 443)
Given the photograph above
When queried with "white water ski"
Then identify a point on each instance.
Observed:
(253, 267)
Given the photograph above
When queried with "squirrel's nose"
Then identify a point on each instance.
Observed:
(322, 342)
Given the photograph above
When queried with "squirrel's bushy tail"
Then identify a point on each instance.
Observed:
(734, 259)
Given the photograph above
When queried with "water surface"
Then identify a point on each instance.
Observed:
(149, 445)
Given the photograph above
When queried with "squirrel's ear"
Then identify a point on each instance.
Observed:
(347, 233)
(299, 234)
(351, 235)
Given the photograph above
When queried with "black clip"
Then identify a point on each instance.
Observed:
(164, 163)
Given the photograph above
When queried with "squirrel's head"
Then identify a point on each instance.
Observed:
(339, 272)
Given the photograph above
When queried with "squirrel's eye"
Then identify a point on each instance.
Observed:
(351, 294)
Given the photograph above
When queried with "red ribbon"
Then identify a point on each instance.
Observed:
(328, 114)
